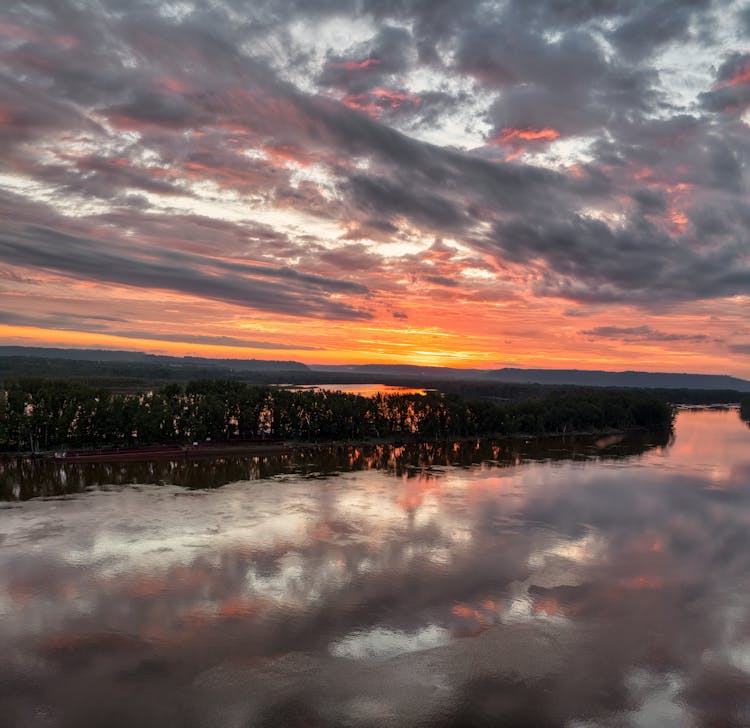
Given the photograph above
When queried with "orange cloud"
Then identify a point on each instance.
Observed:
(360, 103)
(395, 98)
(18, 32)
(652, 544)
(240, 608)
(548, 606)
(375, 101)
(27, 35)
(467, 612)
(283, 153)
(641, 582)
(679, 221)
(741, 75)
(474, 327)
(480, 618)
(356, 65)
(518, 139)
(528, 134)
(416, 490)
(171, 84)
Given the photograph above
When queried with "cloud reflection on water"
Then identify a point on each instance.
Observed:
(559, 592)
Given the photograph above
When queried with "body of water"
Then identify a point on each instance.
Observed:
(363, 390)
(577, 583)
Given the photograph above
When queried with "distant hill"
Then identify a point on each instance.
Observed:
(579, 377)
(623, 379)
(108, 355)
(139, 364)
(406, 371)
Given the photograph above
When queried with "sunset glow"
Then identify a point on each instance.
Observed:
(516, 187)
(530, 135)
(741, 75)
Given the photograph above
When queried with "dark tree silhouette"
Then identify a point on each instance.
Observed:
(43, 414)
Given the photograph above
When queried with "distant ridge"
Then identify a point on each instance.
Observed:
(623, 379)
(371, 373)
(580, 377)
(109, 355)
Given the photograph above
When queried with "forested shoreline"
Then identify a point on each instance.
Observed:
(46, 414)
(745, 409)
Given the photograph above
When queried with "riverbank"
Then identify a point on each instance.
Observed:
(264, 448)
(27, 478)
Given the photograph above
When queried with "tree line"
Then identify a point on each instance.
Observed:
(745, 409)
(45, 414)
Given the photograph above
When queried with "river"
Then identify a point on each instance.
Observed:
(576, 583)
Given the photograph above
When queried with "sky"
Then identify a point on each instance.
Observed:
(558, 183)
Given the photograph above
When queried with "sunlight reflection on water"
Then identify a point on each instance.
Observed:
(364, 390)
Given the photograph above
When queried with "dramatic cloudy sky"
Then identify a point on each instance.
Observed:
(549, 183)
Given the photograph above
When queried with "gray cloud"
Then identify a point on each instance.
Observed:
(744, 18)
(586, 260)
(442, 281)
(642, 333)
(355, 257)
(216, 340)
(568, 84)
(650, 201)
(196, 92)
(103, 325)
(730, 94)
(654, 24)
(281, 290)
(90, 322)
(371, 63)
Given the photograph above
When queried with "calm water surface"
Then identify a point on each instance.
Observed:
(594, 584)
(364, 390)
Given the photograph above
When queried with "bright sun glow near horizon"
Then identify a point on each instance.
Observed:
(488, 185)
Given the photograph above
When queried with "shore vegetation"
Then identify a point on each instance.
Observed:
(45, 414)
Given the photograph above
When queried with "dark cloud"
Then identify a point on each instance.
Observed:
(160, 103)
(731, 92)
(650, 201)
(655, 24)
(641, 333)
(370, 64)
(216, 340)
(355, 257)
(386, 197)
(568, 84)
(744, 18)
(586, 260)
(27, 116)
(442, 281)
(282, 290)
(569, 12)
(90, 322)
(372, 229)
(155, 109)
(103, 325)
(105, 178)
